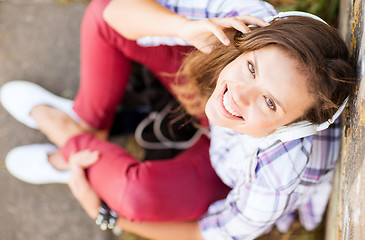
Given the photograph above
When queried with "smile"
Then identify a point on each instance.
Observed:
(228, 107)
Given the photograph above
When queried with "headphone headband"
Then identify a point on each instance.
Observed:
(293, 14)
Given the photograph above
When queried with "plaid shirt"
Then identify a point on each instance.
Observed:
(270, 181)
(199, 9)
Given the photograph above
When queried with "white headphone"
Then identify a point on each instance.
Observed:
(294, 14)
(303, 128)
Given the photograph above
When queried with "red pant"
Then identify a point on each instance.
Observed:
(181, 188)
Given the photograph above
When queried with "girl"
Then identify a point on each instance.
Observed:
(271, 80)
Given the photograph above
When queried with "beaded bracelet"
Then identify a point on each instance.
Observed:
(107, 218)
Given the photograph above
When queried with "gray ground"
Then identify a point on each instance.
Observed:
(39, 42)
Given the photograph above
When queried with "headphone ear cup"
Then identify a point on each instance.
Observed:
(295, 131)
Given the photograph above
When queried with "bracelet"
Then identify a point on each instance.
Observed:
(107, 218)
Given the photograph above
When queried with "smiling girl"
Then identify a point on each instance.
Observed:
(287, 77)
(258, 92)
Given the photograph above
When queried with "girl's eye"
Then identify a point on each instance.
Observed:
(270, 103)
(251, 68)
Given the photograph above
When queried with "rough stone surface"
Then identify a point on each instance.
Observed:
(346, 218)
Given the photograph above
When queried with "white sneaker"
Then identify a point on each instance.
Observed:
(30, 164)
(20, 97)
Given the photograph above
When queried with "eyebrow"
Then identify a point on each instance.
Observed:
(277, 102)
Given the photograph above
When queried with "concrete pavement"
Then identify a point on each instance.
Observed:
(39, 42)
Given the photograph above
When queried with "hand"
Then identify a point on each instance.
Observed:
(79, 185)
(204, 33)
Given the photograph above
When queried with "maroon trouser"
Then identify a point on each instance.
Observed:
(181, 188)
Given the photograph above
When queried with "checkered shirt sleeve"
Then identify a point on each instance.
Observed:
(200, 9)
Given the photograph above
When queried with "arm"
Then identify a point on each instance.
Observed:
(140, 18)
(163, 230)
(90, 201)
(59, 128)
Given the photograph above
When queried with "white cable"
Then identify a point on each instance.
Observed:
(164, 143)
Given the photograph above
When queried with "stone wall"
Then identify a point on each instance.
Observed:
(346, 215)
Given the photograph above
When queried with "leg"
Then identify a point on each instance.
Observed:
(106, 60)
(104, 77)
(58, 127)
(181, 188)
(165, 190)
(104, 70)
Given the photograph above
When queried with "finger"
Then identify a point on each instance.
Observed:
(91, 157)
(251, 20)
(239, 25)
(232, 22)
(84, 158)
(218, 32)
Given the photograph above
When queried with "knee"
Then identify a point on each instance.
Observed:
(139, 203)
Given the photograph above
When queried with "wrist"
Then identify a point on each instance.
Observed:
(178, 24)
(93, 211)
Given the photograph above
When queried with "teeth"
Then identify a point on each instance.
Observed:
(227, 107)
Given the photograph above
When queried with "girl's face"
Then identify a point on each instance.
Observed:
(258, 92)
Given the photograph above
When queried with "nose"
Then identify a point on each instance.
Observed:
(246, 94)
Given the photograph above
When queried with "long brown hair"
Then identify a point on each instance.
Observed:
(320, 51)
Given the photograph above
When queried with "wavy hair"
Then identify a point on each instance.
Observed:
(320, 51)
